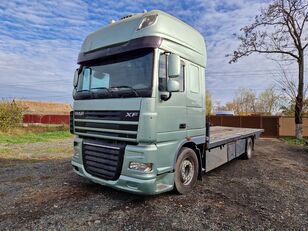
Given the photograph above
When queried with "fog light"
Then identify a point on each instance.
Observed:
(144, 167)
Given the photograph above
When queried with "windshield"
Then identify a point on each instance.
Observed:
(128, 75)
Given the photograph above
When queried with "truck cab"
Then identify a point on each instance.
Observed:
(139, 105)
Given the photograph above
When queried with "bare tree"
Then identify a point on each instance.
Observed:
(288, 86)
(268, 102)
(245, 101)
(229, 106)
(280, 29)
(208, 103)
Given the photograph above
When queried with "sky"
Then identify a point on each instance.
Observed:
(40, 42)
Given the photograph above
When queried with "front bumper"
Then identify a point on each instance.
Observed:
(151, 186)
(159, 180)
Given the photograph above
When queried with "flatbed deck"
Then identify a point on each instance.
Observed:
(221, 135)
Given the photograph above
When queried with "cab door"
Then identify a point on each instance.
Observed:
(171, 114)
(195, 101)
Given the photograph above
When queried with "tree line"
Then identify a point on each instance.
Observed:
(247, 102)
(280, 31)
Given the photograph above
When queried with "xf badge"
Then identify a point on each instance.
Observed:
(131, 114)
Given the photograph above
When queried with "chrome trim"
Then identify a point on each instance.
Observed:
(106, 137)
(100, 145)
(108, 121)
(107, 130)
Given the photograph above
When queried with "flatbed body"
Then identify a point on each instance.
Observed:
(220, 135)
(227, 143)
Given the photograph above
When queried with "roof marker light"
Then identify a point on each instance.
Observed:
(147, 21)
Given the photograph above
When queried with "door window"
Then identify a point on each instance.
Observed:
(194, 79)
(162, 73)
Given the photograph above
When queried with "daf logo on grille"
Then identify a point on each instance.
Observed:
(79, 113)
(131, 114)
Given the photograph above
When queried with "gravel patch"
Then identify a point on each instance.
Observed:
(268, 192)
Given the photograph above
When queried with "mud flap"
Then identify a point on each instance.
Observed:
(200, 164)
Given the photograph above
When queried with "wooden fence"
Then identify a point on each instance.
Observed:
(287, 126)
(274, 126)
(270, 124)
(46, 119)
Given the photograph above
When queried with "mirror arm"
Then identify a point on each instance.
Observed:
(164, 97)
(80, 69)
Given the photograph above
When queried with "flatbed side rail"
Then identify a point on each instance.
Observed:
(239, 133)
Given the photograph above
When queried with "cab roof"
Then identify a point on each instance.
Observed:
(166, 26)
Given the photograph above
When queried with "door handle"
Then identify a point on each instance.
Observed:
(182, 126)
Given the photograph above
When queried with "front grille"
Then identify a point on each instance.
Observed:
(72, 122)
(113, 125)
(108, 115)
(103, 160)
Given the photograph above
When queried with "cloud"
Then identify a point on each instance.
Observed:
(40, 41)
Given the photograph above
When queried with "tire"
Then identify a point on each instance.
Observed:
(249, 149)
(186, 171)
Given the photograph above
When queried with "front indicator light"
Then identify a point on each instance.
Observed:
(143, 167)
(76, 154)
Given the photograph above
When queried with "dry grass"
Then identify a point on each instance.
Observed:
(4, 150)
(37, 129)
(64, 150)
(51, 150)
(36, 143)
(39, 107)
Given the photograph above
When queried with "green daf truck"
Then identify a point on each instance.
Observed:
(139, 108)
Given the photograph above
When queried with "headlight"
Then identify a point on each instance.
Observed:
(147, 21)
(144, 167)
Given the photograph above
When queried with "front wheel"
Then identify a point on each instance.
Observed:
(186, 171)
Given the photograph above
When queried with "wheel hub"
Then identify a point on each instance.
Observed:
(187, 171)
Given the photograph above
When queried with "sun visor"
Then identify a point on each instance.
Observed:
(134, 44)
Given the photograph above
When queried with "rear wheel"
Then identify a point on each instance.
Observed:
(249, 149)
(186, 171)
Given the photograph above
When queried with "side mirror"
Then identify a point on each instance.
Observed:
(74, 92)
(173, 85)
(76, 77)
(174, 65)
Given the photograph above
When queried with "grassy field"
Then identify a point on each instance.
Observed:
(36, 143)
(294, 141)
(33, 134)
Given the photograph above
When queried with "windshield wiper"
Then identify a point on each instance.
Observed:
(82, 94)
(129, 87)
(104, 88)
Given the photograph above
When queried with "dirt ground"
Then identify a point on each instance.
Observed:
(268, 192)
